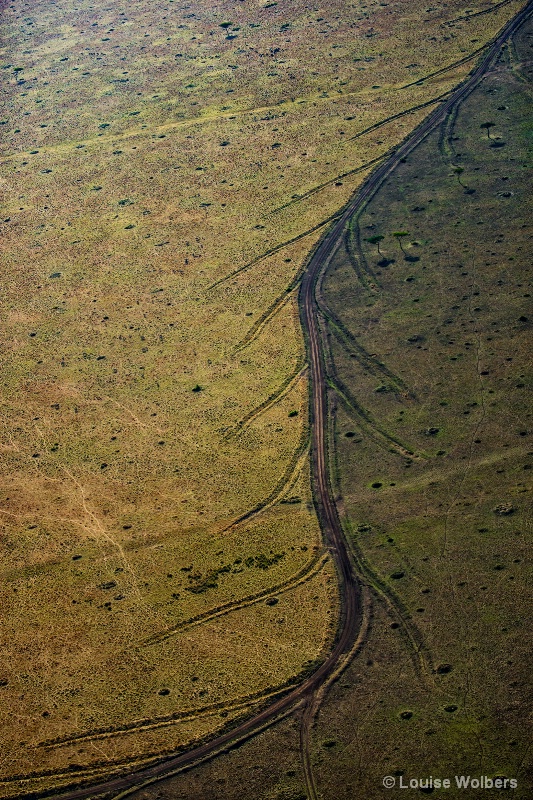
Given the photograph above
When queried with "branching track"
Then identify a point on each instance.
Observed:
(350, 588)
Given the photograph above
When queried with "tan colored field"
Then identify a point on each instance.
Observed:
(149, 153)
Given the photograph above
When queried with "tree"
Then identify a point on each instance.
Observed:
(458, 171)
(398, 235)
(375, 240)
(488, 126)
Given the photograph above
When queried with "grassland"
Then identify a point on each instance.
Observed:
(430, 358)
(165, 176)
(433, 443)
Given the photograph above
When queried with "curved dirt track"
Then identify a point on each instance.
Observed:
(351, 596)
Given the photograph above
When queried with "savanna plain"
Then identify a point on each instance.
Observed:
(166, 171)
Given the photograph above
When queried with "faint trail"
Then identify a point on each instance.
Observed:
(319, 188)
(134, 417)
(12, 443)
(271, 401)
(306, 573)
(271, 252)
(165, 127)
(31, 516)
(99, 531)
(476, 427)
(294, 467)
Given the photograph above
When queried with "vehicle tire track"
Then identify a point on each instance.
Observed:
(319, 188)
(261, 323)
(400, 114)
(348, 561)
(167, 720)
(219, 750)
(515, 63)
(350, 255)
(292, 470)
(307, 572)
(479, 13)
(369, 362)
(271, 401)
(447, 128)
(306, 723)
(314, 702)
(271, 252)
(358, 259)
(441, 71)
(367, 424)
(421, 656)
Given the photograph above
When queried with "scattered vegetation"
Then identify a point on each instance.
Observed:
(444, 543)
(119, 188)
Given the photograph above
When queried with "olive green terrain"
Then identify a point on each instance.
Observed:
(431, 367)
(165, 171)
